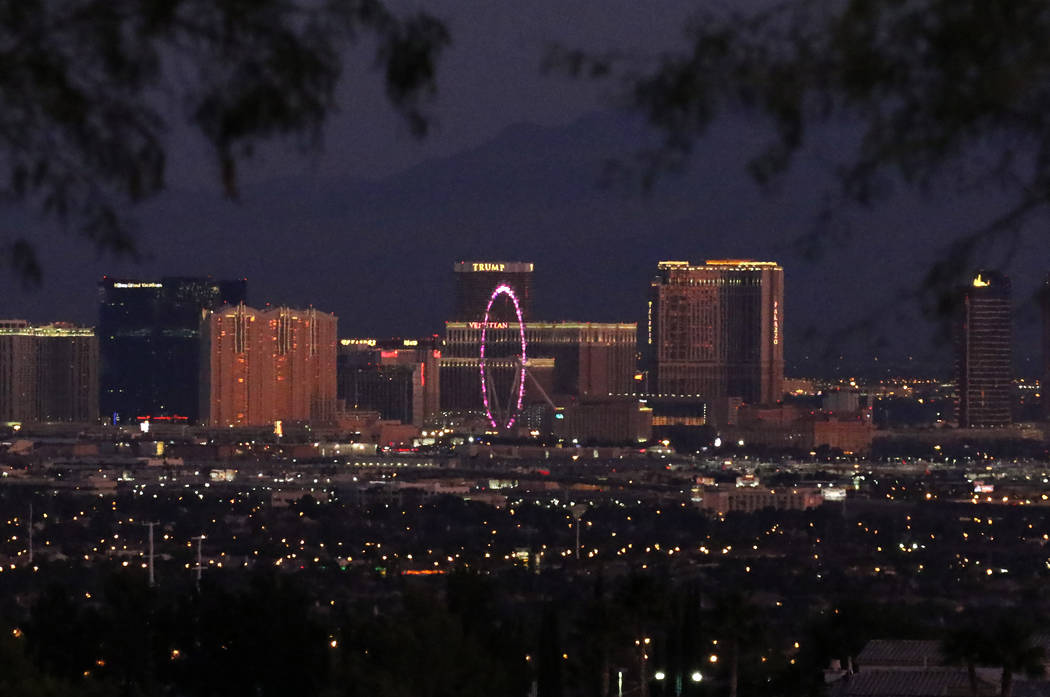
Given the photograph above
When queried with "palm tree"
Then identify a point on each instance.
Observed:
(549, 669)
(966, 645)
(738, 624)
(641, 604)
(1005, 640)
(1012, 646)
(599, 633)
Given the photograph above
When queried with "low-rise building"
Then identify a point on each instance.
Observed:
(729, 498)
(611, 420)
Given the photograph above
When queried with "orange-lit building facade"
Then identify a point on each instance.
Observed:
(262, 366)
(716, 330)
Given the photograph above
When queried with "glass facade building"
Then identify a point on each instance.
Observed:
(149, 344)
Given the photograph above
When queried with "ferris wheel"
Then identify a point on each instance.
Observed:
(503, 406)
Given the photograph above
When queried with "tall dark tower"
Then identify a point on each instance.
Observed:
(984, 366)
(1044, 378)
(149, 344)
(475, 281)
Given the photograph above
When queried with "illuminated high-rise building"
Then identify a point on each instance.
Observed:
(399, 378)
(985, 374)
(149, 344)
(263, 366)
(475, 281)
(716, 331)
(48, 373)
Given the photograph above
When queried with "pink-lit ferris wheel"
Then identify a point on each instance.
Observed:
(502, 413)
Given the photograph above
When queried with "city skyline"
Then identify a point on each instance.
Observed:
(514, 168)
(710, 354)
(353, 232)
(1027, 348)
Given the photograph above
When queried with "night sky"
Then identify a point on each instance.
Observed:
(369, 227)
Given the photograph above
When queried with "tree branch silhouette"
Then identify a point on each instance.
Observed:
(83, 130)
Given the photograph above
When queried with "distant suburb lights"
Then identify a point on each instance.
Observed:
(512, 413)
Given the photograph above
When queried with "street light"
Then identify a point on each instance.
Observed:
(660, 675)
(697, 676)
(577, 512)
